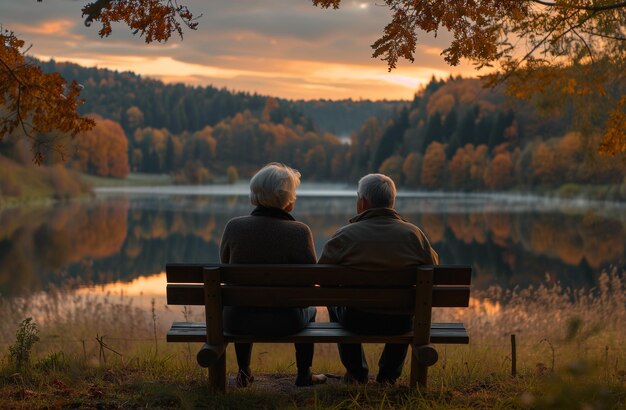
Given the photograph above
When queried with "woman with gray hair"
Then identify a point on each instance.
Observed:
(270, 235)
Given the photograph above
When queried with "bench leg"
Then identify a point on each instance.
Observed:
(419, 371)
(217, 375)
(419, 374)
(414, 370)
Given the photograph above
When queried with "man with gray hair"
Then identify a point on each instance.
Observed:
(378, 238)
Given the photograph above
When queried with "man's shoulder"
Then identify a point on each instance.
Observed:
(346, 229)
(410, 226)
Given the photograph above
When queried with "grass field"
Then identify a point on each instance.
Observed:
(20, 184)
(571, 355)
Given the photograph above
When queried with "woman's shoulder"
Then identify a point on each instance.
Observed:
(249, 220)
(301, 226)
(291, 226)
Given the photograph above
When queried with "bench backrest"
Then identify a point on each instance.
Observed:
(320, 285)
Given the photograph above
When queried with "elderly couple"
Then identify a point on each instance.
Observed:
(377, 238)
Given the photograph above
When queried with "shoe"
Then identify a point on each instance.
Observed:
(310, 379)
(244, 378)
(349, 378)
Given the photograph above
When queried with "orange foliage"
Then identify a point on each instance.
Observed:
(411, 169)
(433, 166)
(543, 164)
(570, 154)
(134, 117)
(459, 168)
(614, 140)
(270, 105)
(468, 166)
(465, 92)
(499, 173)
(154, 19)
(36, 103)
(104, 150)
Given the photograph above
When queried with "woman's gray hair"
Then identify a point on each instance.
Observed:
(274, 186)
(378, 189)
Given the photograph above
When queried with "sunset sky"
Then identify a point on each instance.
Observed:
(285, 48)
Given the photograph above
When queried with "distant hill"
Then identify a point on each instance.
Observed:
(343, 117)
(177, 107)
(180, 107)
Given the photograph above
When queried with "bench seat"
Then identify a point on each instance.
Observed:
(320, 332)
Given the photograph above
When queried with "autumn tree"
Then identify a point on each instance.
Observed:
(412, 168)
(433, 166)
(499, 173)
(543, 164)
(134, 117)
(459, 168)
(103, 150)
(467, 167)
(392, 167)
(232, 174)
(573, 51)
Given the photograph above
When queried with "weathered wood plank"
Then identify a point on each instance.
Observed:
(459, 275)
(309, 275)
(450, 333)
(447, 296)
(451, 296)
(320, 325)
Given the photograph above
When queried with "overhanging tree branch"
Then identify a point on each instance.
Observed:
(579, 7)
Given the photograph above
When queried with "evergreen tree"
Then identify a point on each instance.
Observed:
(392, 138)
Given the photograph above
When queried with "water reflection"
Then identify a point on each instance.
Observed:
(120, 238)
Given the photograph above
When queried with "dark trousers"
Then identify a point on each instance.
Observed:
(352, 355)
(270, 321)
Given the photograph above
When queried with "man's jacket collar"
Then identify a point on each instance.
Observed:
(377, 212)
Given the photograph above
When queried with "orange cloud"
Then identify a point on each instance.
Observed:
(53, 27)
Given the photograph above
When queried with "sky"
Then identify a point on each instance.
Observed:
(284, 48)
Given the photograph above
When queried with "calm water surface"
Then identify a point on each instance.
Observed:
(126, 236)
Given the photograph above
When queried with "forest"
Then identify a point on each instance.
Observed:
(454, 135)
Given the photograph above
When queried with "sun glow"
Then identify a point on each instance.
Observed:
(283, 78)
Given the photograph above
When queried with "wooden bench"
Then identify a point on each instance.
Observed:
(214, 286)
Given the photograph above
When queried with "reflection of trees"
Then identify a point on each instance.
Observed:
(36, 244)
(434, 226)
(119, 239)
(522, 245)
(468, 227)
(603, 239)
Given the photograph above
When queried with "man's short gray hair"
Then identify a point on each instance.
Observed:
(378, 189)
(274, 186)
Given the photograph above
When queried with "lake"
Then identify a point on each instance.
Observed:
(125, 236)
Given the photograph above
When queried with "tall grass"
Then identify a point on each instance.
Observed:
(571, 350)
